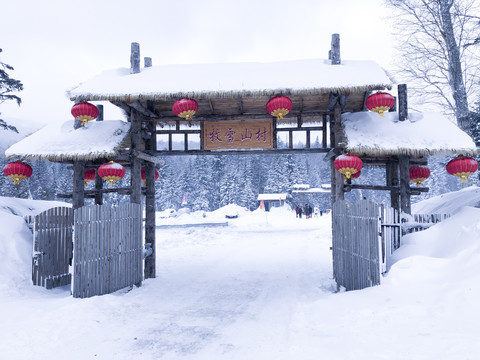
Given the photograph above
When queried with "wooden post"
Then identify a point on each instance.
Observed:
(402, 102)
(150, 226)
(135, 58)
(147, 61)
(149, 271)
(338, 192)
(135, 169)
(404, 166)
(100, 113)
(335, 50)
(392, 177)
(98, 186)
(78, 196)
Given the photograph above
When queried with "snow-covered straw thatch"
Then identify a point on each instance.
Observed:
(422, 134)
(314, 76)
(55, 142)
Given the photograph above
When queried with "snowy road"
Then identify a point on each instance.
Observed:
(258, 289)
(219, 292)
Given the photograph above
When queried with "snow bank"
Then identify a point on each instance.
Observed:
(449, 203)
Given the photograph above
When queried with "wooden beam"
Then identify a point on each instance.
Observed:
(142, 110)
(239, 152)
(382, 188)
(95, 192)
(291, 117)
(149, 158)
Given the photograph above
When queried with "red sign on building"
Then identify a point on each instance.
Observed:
(237, 135)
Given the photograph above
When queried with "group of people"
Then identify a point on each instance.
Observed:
(306, 210)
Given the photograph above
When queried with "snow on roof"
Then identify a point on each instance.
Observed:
(312, 191)
(233, 79)
(55, 142)
(421, 134)
(276, 197)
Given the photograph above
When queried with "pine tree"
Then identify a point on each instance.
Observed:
(7, 86)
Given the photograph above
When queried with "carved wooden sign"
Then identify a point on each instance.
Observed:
(238, 135)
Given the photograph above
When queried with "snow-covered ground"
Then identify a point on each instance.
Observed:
(260, 288)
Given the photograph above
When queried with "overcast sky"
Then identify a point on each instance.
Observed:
(56, 44)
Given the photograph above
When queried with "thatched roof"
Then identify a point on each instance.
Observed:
(422, 134)
(61, 142)
(308, 77)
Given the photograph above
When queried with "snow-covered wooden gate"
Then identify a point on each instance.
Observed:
(52, 247)
(365, 235)
(108, 251)
(356, 244)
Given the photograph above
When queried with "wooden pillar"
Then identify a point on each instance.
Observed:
(392, 177)
(337, 178)
(78, 196)
(404, 167)
(150, 226)
(135, 169)
(135, 58)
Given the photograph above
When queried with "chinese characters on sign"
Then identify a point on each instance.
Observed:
(233, 135)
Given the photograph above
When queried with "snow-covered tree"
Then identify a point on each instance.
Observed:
(440, 57)
(7, 87)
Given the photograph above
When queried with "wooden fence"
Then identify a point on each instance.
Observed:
(52, 247)
(420, 222)
(108, 250)
(391, 234)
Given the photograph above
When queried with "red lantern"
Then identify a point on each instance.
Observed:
(380, 102)
(89, 175)
(348, 164)
(17, 171)
(462, 166)
(418, 174)
(185, 108)
(84, 112)
(279, 106)
(144, 176)
(111, 172)
(356, 175)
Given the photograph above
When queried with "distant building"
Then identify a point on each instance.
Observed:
(271, 200)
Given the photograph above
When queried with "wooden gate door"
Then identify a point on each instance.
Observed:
(52, 247)
(108, 253)
(356, 244)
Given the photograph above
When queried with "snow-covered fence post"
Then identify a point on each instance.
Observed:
(402, 102)
(135, 58)
(334, 53)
